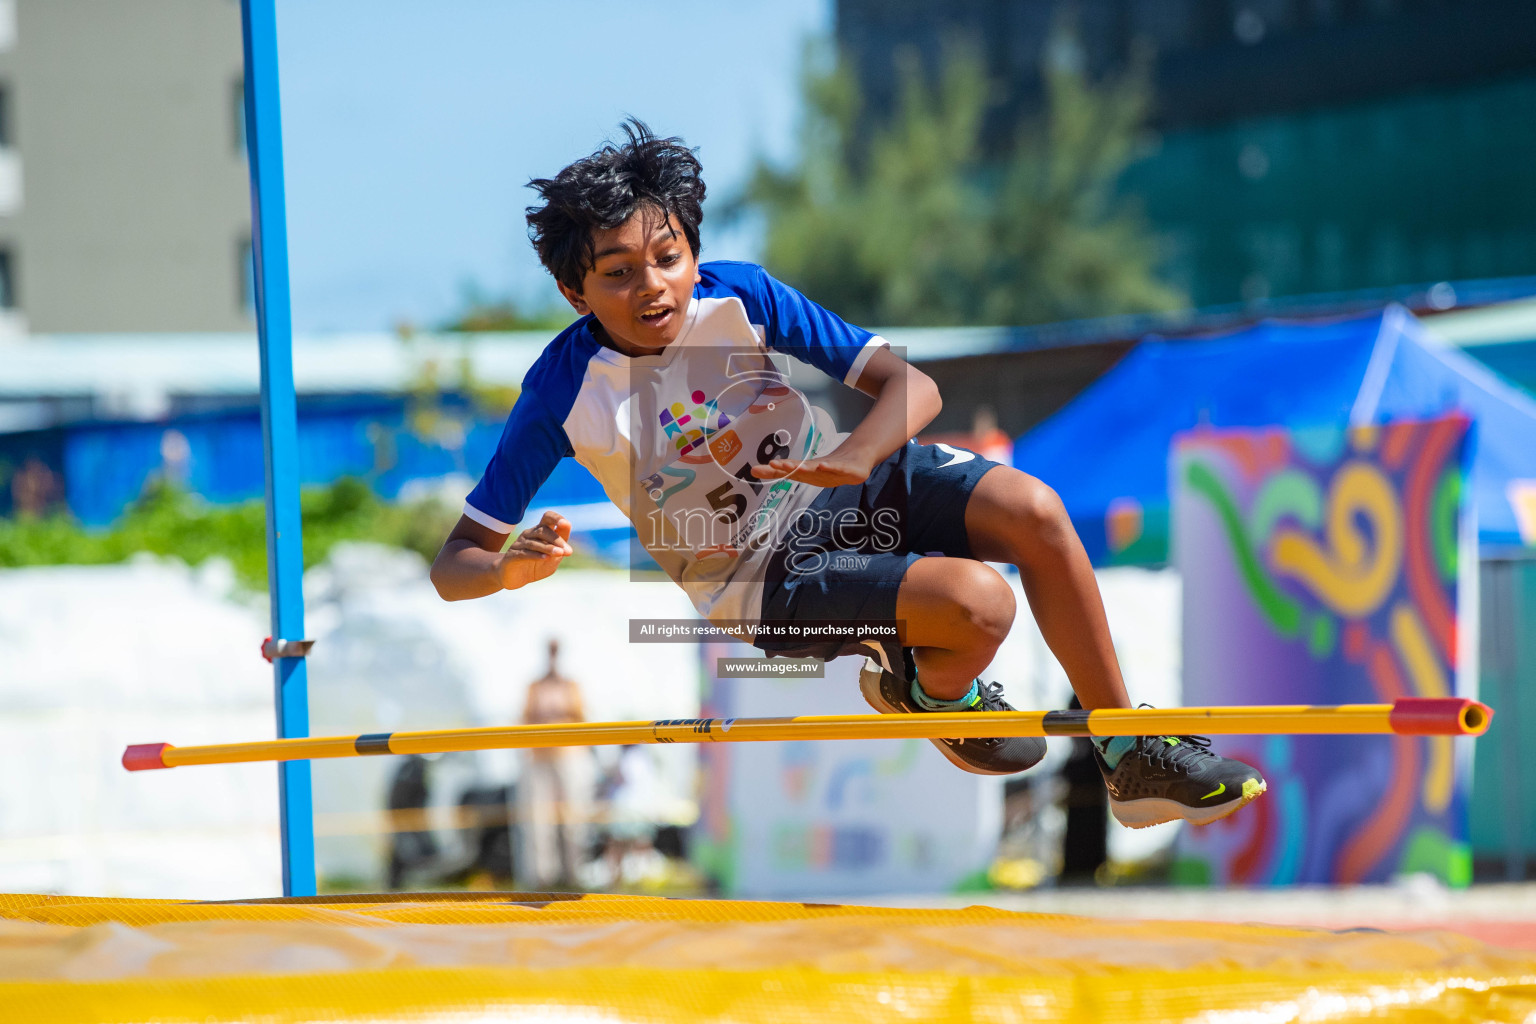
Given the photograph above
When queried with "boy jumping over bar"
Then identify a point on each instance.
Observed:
(748, 497)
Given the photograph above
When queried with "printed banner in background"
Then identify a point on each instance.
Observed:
(802, 819)
(1322, 567)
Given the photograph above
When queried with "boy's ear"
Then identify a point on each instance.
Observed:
(573, 296)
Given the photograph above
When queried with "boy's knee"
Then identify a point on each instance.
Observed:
(1042, 513)
(985, 600)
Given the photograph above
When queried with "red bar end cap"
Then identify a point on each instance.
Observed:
(1439, 716)
(142, 757)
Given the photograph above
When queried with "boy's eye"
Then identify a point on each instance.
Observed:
(617, 272)
(671, 258)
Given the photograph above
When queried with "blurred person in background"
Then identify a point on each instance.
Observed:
(554, 794)
(989, 439)
(484, 816)
(985, 438)
(412, 847)
(1085, 843)
(634, 806)
(35, 489)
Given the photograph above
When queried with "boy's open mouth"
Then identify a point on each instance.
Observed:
(656, 317)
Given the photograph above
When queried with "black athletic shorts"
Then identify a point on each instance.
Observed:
(846, 553)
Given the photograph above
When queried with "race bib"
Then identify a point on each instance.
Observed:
(708, 503)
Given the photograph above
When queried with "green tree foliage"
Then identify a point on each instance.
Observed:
(912, 220)
(438, 370)
(168, 521)
(479, 312)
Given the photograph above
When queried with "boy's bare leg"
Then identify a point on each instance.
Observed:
(956, 615)
(1012, 517)
(955, 612)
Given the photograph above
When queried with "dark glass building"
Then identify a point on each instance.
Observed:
(1300, 146)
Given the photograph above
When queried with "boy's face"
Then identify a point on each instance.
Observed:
(640, 282)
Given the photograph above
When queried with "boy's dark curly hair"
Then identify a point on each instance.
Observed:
(605, 189)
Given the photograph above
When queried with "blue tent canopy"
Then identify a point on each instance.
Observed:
(1108, 449)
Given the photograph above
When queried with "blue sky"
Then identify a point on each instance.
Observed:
(409, 129)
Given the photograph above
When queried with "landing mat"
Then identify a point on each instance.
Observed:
(557, 957)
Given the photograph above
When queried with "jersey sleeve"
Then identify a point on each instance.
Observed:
(799, 327)
(531, 446)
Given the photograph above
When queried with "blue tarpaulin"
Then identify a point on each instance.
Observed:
(97, 469)
(1108, 449)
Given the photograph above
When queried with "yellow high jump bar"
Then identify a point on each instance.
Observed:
(1408, 716)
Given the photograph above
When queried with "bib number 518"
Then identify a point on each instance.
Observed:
(726, 502)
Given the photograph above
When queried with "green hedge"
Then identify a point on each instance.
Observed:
(169, 521)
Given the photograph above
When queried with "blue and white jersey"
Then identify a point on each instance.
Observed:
(672, 437)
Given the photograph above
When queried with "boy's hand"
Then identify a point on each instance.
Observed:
(834, 469)
(536, 553)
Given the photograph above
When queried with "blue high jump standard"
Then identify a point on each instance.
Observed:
(279, 430)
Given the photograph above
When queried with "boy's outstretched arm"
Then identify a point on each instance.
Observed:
(473, 564)
(906, 401)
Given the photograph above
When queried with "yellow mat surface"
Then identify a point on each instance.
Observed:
(552, 957)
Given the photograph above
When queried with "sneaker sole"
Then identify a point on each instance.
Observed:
(1151, 811)
(869, 686)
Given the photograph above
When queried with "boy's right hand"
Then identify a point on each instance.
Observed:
(536, 553)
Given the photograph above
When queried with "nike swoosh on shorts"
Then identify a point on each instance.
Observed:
(957, 455)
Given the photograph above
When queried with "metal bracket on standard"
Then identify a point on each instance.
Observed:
(273, 649)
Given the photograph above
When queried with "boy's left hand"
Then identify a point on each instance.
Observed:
(831, 470)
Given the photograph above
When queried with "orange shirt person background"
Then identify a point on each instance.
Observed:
(555, 791)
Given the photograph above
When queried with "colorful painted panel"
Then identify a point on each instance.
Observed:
(1321, 567)
(800, 819)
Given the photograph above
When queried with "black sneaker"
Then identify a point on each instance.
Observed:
(1004, 755)
(1168, 778)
